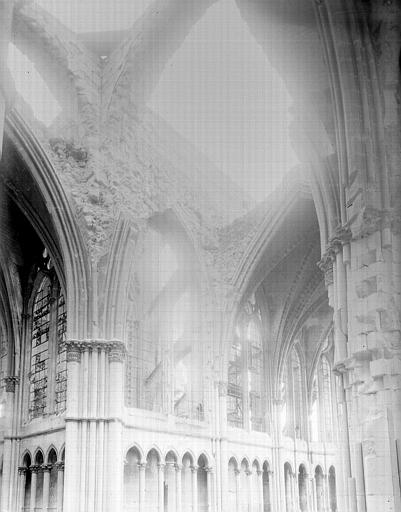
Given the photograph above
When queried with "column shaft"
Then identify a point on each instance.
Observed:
(34, 478)
(21, 488)
(209, 483)
(178, 487)
(60, 486)
(46, 487)
(194, 489)
(161, 487)
(142, 483)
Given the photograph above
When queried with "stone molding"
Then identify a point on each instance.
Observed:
(10, 383)
(115, 348)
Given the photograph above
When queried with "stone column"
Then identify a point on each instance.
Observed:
(21, 487)
(60, 485)
(194, 470)
(142, 486)
(160, 486)
(116, 403)
(238, 489)
(260, 489)
(72, 435)
(34, 479)
(178, 487)
(46, 486)
(209, 483)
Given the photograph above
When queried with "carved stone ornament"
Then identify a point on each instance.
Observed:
(73, 352)
(22, 470)
(10, 383)
(75, 348)
(117, 352)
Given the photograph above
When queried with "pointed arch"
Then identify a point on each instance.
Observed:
(64, 242)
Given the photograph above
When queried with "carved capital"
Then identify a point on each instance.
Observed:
(22, 470)
(34, 469)
(161, 466)
(248, 472)
(73, 351)
(117, 352)
(59, 466)
(10, 383)
(142, 466)
(209, 469)
(194, 469)
(46, 467)
(341, 237)
(115, 348)
(237, 471)
(178, 467)
(326, 266)
(259, 472)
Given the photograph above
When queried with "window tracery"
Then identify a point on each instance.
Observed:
(245, 375)
(47, 350)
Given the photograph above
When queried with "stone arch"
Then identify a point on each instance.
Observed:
(319, 486)
(131, 478)
(332, 483)
(187, 479)
(51, 455)
(26, 459)
(136, 448)
(289, 487)
(38, 456)
(188, 455)
(202, 482)
(140, 73)
(58, 52)
(62, 236)
(153, 468)
(26, 465)
(303, 487)
(233, 499)
(267, 486)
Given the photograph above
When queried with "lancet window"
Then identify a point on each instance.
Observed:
(293, 396)
(245, 390)
(321, 416)
(47, 366)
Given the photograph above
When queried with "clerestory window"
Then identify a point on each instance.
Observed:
(245, 377)
(47, 365)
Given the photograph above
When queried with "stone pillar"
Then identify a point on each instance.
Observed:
(115, 432)
(178, 487)
(34, 479)
(209, 483)
(142, 486)
(60, 485)
(46, 486)
(238, 489)
(72, 440)
(8, 482)
(194, 470)
(260, 489)
(21, 487)
(160, 486)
